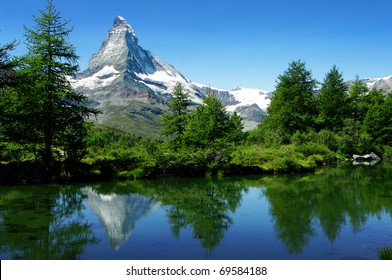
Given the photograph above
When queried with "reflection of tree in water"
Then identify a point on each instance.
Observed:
(331, 199)
(292, 219)
(205, 207)
(43, 223)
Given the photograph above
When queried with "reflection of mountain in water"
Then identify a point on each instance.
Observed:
(118, 213)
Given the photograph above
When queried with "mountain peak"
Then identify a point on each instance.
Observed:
(119, 20)
(120, 49)
(121, 23)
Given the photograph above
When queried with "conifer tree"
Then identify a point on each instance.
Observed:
(176, 119)
(358, 99)
(378, 119)
(57, 113)
(332, 101)
(211, 126)
(292, 107)
(7, 65)
(7, 78)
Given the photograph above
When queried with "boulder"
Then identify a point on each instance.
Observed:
(367, 159)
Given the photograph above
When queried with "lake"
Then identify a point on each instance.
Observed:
(344, 212)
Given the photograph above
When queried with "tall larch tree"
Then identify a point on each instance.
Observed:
(211, 126)
(358, 99)
(58, 116)
(176, 118)
(7, 65)
(7, 79)
(292, 106)
(332, 101)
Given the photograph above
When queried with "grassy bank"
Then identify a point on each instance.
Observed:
(115, 155)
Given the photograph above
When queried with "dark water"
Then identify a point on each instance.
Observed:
(338, 213)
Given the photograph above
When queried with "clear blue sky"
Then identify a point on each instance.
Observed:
(231, 43)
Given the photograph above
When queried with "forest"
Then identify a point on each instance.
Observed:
(47, 134)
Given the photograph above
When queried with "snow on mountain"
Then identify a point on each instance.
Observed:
(169, 79)
(102, 78)
(379, 83)
(250, 96)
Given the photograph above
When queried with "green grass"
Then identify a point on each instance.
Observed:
(283, 159)
(139, 118)
(385, 253)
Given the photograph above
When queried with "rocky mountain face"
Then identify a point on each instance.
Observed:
(131, 86)
(384, 84)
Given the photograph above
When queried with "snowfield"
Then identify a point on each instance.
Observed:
(100, 79)
(249, 96)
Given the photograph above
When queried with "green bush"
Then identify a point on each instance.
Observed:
(299, 138)
(131, 174)
(287, 158)
(387, 152)
(345, 145)
(311, 148)
(199, 162)
(364, 144)
(327, 138)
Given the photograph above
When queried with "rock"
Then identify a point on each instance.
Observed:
(368, 159)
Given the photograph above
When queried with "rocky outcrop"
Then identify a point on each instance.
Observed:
(368, 159)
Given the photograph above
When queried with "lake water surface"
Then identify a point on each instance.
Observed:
(337, 213)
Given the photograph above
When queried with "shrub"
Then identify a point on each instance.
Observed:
(327, 138)
(345, 145)
(311, 148)
(287, 159)
(387, 152)
(365, 144)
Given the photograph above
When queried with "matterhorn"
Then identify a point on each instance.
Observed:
(131, 86)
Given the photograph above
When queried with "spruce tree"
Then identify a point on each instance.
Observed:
(332, 101)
